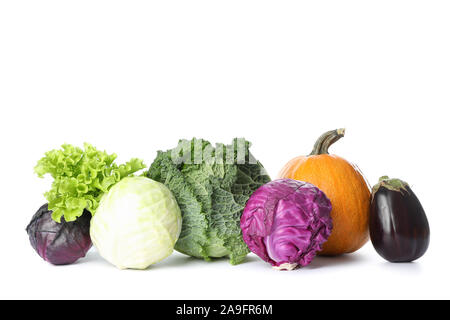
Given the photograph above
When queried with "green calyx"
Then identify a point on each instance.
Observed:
(391, 184)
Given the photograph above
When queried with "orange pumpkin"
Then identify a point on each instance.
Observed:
(346, 188)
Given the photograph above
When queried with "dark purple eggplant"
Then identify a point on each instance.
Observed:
(59, 243)
(399, 228)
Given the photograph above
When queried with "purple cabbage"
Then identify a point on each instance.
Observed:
(59, 243)
(285, 222)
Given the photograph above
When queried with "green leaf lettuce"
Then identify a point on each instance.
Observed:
(81, 177)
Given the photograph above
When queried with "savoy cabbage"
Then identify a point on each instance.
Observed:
(212, 186)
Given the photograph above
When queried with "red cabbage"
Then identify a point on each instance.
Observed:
(285, 222)
(59, 243)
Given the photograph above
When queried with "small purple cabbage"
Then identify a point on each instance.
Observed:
(285, 222)
(59, 243)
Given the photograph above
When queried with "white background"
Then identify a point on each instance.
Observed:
(133, 77)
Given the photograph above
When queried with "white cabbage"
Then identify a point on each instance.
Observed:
(136, 224)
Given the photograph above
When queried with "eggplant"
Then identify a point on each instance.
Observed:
(398, 225)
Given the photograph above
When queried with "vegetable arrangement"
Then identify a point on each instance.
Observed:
(218, 201)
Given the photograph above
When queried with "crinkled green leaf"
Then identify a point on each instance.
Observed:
(211, 195)
(81, 177)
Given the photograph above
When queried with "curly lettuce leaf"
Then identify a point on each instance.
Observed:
(211, 194)
(81, 177)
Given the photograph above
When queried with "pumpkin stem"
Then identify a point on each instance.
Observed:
(326, 140)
